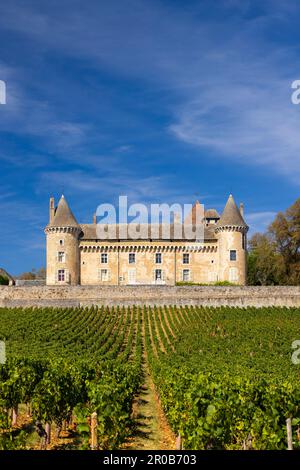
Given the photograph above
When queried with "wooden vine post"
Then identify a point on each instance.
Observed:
(179, 442)
(94, 424)
(48, 432)
(289, 434)
(15, 416)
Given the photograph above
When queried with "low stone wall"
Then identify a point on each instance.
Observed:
(70, 296)
(30, 282)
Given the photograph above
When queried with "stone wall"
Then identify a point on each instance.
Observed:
(30, 282)
(149, 295)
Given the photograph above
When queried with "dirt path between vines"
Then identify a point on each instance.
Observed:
(151, 430)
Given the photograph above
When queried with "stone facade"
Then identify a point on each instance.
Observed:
(76, 256)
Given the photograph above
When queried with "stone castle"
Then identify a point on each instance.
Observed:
(76, 256)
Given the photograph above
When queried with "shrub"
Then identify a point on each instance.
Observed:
(4, 281)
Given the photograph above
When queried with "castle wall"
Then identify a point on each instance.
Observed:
(61, 296)
(202, 266)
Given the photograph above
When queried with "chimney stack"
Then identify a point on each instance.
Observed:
(51, 209)
(94, 219)
(242, 209)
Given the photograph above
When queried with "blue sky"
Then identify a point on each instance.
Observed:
(164, 101)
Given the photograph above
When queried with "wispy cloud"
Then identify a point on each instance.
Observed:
(230, 85)
(112, 184)
(259, 221)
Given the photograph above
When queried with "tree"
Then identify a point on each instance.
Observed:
(34, 274)
(285, 232)
(27, 276)
(4, 281)
(41, 273)
(265, 264)
(274, 257)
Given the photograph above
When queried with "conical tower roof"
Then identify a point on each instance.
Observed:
(231, 214)
(63, 215)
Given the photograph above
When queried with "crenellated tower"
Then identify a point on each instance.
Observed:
(231, 231)
(63, 256)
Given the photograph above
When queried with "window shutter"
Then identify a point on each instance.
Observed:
(56, 257)
(153, 275)
(56, 276)
(108, 275)
(190, 275)
(162, 275)
(99, 274)
(67, 276)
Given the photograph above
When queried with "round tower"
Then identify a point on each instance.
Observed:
(231, 231)
(63, 256)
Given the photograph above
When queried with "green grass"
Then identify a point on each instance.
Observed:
(218, 283)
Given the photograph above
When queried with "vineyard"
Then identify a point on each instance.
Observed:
(223, 376)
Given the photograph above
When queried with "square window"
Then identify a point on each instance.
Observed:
(232, 255)
(158, 258)
(104, 274)
(158, 275)
(185, 258)
(61, 256)
(131, 276)
(104, 258)
(186, 275)
(131, 258)
(61, 275)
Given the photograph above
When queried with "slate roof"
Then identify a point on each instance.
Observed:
(89, 232)
(231, 214)
(211, 214)
(63, 216)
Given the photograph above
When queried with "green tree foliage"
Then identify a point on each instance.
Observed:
(285, 231)
(4, 281)
(274, 257)
(265, 263)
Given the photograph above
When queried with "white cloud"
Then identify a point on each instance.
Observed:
(259, 221)
(230, 83)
